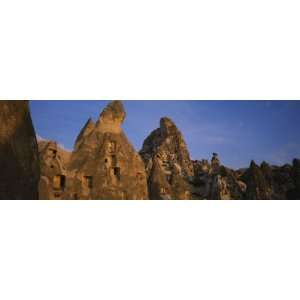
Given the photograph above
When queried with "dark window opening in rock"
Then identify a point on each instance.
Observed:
(53, 152)
(75, 197)
(106, 160)
(59, 182)
(117, 172)
(114, 160)
(51, 166)
(88, 181)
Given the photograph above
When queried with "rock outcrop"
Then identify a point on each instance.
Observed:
(214, 181)
(19, 162)
(167, 162)
(258, 186)
(104, 164)
(294, 193)
(53, 164)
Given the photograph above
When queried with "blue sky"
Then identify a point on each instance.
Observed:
(238, 130)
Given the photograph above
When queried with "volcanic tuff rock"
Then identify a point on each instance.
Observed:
(53, 164)
(214, 181)
(85, 131)
(19, 163)
(258, 187)
(104, 165)
(167, 161)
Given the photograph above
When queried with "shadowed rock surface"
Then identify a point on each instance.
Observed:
(257, 185)
(294, 193)
(167, 162)
(104, 164)
(19, 162)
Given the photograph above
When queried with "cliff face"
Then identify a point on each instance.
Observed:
(167, 163)
(104, 165)
(19, 162)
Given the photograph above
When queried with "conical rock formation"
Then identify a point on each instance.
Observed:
(167, 163)
(104, 164)
(85, 131)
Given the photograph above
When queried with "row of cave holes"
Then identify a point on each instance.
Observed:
(59, 181)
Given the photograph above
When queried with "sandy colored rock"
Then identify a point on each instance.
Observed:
(53, 165)
(19, 162)
(214, 181)
(167, 163)
(104, 164)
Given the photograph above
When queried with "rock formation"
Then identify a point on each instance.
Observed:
(258, 187)
(19, 162)
(104, 165)
(167, 161)
(85, 131)
(294, 193)
(214, 181)
(53, 165)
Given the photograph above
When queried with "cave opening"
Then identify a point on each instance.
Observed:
(117, 172)
(59, 182)
(88, 181)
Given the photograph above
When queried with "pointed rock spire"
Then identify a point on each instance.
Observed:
(111, 117)
(85, 131)
(105, 165)
(165, 147)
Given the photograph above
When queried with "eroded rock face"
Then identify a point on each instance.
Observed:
(258, 187)
(104, 164)
(167, 163)
(19, 162)
(214, 181)
(53, 165)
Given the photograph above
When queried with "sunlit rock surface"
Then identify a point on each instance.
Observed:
(53, 164)
(167, 163)
(104, 164)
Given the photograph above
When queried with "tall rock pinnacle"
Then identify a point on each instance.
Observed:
(104, 165)
(167, 162)
(85, 131)
(111, 117)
